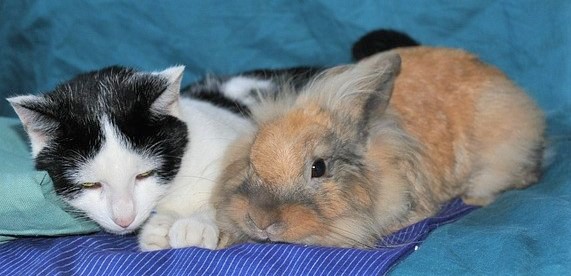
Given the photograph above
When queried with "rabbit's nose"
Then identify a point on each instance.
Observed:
(261, 221)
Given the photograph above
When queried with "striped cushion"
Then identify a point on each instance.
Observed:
(105, 254)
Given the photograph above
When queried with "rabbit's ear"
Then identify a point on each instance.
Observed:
(356, 91)
(378, 77)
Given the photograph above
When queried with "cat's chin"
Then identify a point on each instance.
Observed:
(120, 232)
(117, 230)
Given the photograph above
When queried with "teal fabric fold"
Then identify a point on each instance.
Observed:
(29, 205)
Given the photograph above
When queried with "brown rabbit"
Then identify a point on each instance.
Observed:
(367, 149)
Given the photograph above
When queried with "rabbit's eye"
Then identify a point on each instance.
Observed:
(318, 168)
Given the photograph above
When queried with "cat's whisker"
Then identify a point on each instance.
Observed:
(198, 177)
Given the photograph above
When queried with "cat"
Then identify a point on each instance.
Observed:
(127, 148)
(114, 141)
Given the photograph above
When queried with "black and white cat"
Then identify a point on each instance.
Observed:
(110, 140)
(120, 143)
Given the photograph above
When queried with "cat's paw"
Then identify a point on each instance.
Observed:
(197, 230)
(155, 233)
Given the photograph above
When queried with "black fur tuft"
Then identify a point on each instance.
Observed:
(379, 41)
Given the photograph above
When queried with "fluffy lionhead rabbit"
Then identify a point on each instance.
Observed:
(367, 149)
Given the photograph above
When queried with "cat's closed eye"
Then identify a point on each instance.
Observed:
(145, 175)
(91, 185)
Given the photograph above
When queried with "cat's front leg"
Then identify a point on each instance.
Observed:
(169, 230)
(155, 233)
(198, 229)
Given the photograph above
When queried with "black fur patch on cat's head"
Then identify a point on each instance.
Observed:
(66, 125)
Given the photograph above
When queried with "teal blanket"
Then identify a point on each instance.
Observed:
(29, 205)
(45, 42)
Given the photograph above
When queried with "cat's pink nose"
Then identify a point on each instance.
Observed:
(124, 222)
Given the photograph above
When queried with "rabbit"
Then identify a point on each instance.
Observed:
(367, 149)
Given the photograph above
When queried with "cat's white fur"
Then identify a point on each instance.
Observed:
(184, 216)
(240, 87)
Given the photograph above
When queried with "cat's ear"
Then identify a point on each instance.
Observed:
(39, 126)
(168, 101)
(362, 88)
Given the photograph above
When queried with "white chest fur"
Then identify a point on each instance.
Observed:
(184, 216)
(211, 130)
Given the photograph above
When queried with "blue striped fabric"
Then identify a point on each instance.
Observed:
(105, 254)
